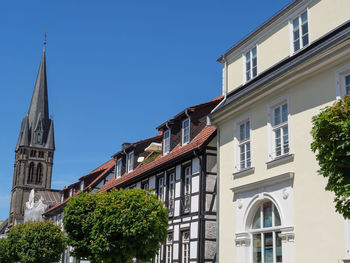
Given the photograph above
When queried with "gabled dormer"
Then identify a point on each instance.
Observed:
(185, 126)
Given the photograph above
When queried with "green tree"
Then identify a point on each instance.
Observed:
(331, 143)
(4, 251)
(78, 222)
(36, 242)
(120, 225)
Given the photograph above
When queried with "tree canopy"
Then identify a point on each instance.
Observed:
(331, 143)
(4, 251)
(120, 225)
(36, 242)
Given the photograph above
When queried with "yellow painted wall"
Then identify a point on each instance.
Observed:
(274, 44)
(319, 231)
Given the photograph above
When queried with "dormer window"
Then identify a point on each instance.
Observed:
(166, 142)
(71, 192)
(118, 170)
(130, 162)
(186, 131)
(81, 185)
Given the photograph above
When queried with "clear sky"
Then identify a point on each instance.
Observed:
(116, 70)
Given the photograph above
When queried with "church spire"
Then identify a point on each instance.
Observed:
(39, 107)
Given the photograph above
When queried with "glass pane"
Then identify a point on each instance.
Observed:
(296, 35)
(305, 40)
(296, 24)
(255, 72)
(278, 142)
(277, 112)
(304, 29)
(296, 45)
(278, 248)
(267, 212)
(284, 112)
(241, 132)
(247, 130)
(256, 220)
(242, 154)
(247, 56)
(248, 75)
(248, 154)
(347, 80)
(277, 217)
(254, 52)
(285, 139)
(257, 248)
(254, 62)
(303, 17)
(268, 248)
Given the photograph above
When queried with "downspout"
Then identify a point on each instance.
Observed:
(209, 122)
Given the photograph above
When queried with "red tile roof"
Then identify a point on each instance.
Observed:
(178, 151)
(103, 169)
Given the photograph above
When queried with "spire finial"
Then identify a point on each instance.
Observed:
(45, 36)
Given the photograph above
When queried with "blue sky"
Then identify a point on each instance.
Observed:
(116, 70)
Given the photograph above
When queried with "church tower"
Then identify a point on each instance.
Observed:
(35, 149)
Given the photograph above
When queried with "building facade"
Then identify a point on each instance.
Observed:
(272, 203)
(181, 169)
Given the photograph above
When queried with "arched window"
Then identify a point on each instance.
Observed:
(39, 174)
(265, 229)
(31, 174)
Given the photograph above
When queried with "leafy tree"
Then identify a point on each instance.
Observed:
(4, 251)
(120, 225)
(78, 222)
(331, 143)
(36, 242)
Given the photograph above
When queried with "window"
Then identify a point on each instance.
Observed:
(265, 229)
(185, 247)
(32, 153)
(161, 189)
(145, 185)
(300, 32)
(31, 174)
(130, 162)
(81, 185)
(166, 142)
(39, 174)
(244, 145)
(118, 170)
(347, 84)
(185, 131)
(251, 64)
(41, 154)
(186, 190)
(280, 130)
(171, 193)
(169, 248)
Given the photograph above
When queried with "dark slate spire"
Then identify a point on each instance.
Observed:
(39, 104)
(37, 127)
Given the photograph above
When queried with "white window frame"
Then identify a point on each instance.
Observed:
(271, 127)
(245, 61)
(291, 30)
(237, 143)
(166, 142)
(169, 248)
(171, 192)
(188, 130)
(118, 168)
(340, 75)
(274, 230)
(130, 162)
(185, 247)
(161, 188)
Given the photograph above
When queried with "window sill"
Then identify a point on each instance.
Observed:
(243, 172)
(280, 160)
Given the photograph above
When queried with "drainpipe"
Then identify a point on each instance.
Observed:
(209, 123)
